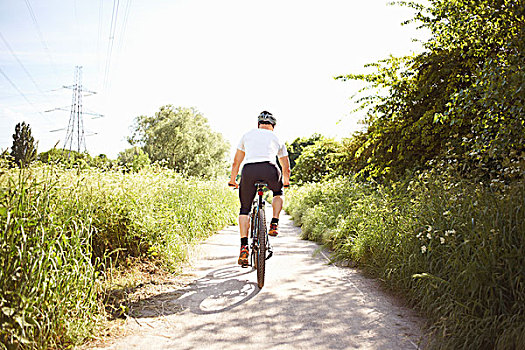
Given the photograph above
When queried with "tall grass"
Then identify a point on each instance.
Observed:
(60, 229)
(456, 248)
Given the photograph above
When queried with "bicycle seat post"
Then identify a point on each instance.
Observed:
(260, 187)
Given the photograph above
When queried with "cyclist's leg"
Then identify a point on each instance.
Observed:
(246, 195)
(277, 205)
(244, 225)
(276, 185)
(247, 191)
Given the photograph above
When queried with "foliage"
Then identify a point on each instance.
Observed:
(296, 147)
(182, 138)
(460, 101)
(102, 162)
(134, 158)
(454, 247)
(68, 158)
(5, 160)
(23, 150)
(62, 229)
(317, 161)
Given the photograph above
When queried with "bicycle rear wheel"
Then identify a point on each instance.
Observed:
(261, 248)
(253, 236)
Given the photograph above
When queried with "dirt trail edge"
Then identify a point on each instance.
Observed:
(305, 304)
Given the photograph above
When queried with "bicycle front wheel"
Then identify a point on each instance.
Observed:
(261, 249)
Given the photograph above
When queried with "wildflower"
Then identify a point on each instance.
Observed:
(446, 213)
(442, 240)
(423, 249)
(429, 229)
(429, 236)
(450, 232)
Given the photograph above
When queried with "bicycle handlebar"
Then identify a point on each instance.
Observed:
(237, 186)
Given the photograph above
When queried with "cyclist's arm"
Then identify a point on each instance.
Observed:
(285, 165)
(237, 160)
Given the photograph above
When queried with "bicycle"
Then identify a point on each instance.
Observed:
(261, 249)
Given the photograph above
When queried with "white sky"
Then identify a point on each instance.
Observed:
(229, 59)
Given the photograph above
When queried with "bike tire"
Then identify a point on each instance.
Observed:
(261, 249)
(253, 232)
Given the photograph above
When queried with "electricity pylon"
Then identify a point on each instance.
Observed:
(75, 128)
(75, 134)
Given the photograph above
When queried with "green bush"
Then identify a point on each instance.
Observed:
(317, 162)
(454, 247)
(62, 227)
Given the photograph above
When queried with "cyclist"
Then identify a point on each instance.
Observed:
(259, 148)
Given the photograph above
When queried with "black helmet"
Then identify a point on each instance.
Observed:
(266, 118)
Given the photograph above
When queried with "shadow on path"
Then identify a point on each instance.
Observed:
(219, 291)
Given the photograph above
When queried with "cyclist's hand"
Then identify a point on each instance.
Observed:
(233, 184)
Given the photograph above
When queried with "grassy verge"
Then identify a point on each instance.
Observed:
(62, 230)
(455, 248)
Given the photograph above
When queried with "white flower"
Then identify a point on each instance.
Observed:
(442, 240)
(450, 232)
(429, 236)
(429, 229)
(446, 213)
(423, 249)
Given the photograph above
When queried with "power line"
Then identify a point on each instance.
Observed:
(21, 93)
(112, 29)
(41, 36)
(20, 63)
(124, 25)
(121, 35)
(3, 97)
(28, 74)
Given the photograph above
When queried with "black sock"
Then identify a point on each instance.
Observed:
(275, 221)
(244, 241)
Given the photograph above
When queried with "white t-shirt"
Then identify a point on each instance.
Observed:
(261, 145)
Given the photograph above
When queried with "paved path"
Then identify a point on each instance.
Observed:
(305, 304)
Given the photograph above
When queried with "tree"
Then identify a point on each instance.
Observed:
(134, 158)
(66, 157)
(23, 150)
(5, 160)
(317, 162)
(296, 147)
(102, 162)
(460, 101)
(182, 138)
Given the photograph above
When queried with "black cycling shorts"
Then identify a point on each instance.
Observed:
(251, 173)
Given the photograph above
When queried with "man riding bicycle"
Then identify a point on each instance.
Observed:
(259, 148)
